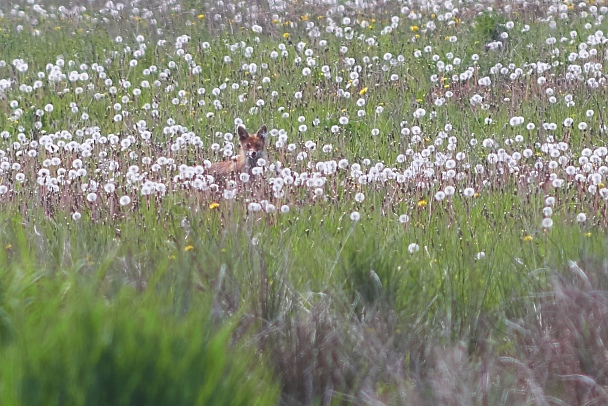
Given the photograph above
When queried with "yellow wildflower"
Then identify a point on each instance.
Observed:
(422, 203)
(214, 205)
(188, 248)
(201, 16)
(414, 28)
(528, 238)
(286, 35)
(363, 91)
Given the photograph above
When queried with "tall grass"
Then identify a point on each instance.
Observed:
(429, 226)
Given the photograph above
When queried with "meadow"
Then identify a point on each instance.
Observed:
(428, 228)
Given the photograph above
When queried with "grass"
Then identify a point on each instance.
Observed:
(408, 240)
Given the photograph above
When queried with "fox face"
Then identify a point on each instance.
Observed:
(252, 145)
(252, 149)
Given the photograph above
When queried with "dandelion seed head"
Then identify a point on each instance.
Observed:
(413, 248)
(404, 218)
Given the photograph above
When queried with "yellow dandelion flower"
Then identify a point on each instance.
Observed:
(201, 16)
(601, 185)
(275, 21)
(475, 194)
(8, 247)
(414, 28)
(528, 238)
(363, 91)
(286, 35)
(422, 203)
(188, 248)
(304, 17)
(214, 205)
(587, 234)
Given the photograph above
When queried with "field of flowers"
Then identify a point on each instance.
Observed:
(428, 226)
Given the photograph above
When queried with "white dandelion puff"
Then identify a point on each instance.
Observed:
(413, 248)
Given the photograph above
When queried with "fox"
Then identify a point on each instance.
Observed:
(251, 150)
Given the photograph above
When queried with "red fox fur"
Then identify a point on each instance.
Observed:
(252, 149)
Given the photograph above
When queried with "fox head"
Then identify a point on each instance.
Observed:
(252, 145)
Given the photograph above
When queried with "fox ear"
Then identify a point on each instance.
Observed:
(243, 134)
(262, 132)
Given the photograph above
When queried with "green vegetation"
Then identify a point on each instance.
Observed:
(429, 226)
